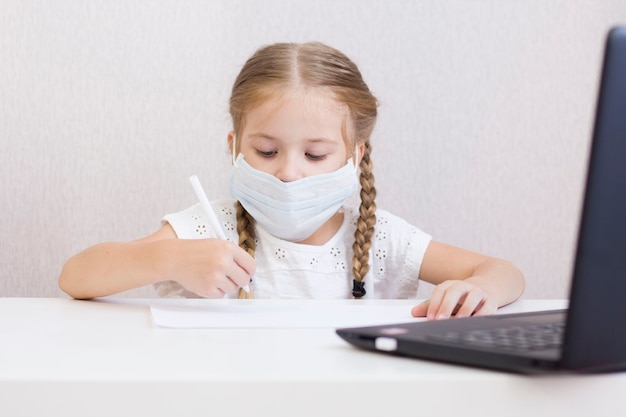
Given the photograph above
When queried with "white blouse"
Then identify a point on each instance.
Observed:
(292, 270)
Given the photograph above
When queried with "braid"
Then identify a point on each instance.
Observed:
(365, 224)
(245, 228)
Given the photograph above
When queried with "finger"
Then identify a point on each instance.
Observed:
(213, 292)
(228, 286)
(454, 298)
(485, 308)
(435, 300)
(421, 309)
(473, 300)
(244, 261)
(237, 279)
(450, 303)
(238, 275)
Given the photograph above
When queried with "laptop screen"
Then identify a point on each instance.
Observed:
(598, 293)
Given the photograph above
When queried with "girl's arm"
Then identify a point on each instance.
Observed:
(467, 283)
(207, 267)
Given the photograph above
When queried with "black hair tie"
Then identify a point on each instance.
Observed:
(358, 289)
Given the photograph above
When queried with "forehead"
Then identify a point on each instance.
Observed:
(300, 112)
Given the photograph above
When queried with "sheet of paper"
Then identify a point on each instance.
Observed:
(267, 315)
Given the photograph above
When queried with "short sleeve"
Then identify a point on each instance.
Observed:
(190, 223)
(398, 250)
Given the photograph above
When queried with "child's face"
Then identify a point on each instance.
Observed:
(296, 136)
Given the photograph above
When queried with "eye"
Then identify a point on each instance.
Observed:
(265, 154)
(314, 157)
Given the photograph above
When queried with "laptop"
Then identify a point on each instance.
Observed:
(589, 335)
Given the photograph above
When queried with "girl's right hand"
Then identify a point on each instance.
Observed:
(210, 268)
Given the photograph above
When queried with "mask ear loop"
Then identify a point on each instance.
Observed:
(234, 148)
(356, 156)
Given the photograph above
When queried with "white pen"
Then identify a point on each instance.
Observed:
(208, 210)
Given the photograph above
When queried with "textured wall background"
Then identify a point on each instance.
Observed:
(107, 107)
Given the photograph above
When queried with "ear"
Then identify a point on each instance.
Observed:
(229, 139)
(361, 150)
(232, 142)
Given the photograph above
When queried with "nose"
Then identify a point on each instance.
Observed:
(288, 170)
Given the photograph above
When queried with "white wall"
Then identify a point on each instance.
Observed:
(107, 107)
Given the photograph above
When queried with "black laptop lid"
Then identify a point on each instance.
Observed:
(595, 335)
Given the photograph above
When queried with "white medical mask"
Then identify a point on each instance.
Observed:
(292, 210)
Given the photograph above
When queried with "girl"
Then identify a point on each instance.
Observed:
(302, 120)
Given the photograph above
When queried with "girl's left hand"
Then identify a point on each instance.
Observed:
(458, 298)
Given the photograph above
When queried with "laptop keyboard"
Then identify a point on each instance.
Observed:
(519, 338)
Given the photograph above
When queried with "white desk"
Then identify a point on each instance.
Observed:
(61, 357)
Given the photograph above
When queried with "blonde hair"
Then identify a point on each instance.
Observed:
(276, 68)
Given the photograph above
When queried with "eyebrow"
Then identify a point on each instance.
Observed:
(260, 135)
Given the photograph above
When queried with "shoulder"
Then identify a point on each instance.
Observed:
(384, 220)
(393, 234)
